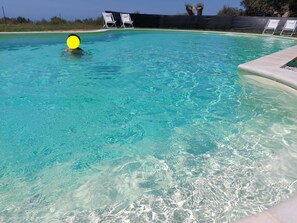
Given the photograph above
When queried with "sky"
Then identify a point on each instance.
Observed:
(80, 9)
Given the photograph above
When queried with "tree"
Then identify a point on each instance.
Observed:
(230, 11)
(270, 7)
(256, 7)
(293, 8)
(22, 20)
(89, 21)
(57, 20)
(42, 22)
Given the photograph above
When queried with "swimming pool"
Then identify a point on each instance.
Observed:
(150, 126)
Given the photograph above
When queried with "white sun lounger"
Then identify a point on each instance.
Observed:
(108, 19)
(271, 25)
(126, 19)
(289, 27)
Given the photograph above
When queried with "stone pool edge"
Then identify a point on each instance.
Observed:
(153, 29)
(271, 67)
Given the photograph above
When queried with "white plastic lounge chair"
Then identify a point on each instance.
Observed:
(289, 27)
(108, 19)
(126, 19)
(271, 25)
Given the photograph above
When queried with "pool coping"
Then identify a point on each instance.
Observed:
(218, 32)
(152, 29)
(272, 67)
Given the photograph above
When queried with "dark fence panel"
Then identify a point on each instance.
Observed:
(255, 23)
(146, 21)
(240, 23)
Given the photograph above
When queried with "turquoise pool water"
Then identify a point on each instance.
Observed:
(148, 127)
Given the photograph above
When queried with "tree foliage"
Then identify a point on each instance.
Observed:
(18, 20)
(293, 8)
(57, 20)
(21, 19)
(270, 7)
(230, 11)
(53, 21)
